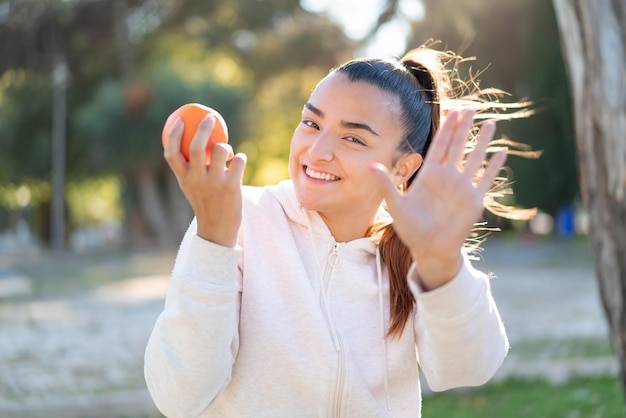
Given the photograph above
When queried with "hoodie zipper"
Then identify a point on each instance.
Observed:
(333, 261)
(341, 376)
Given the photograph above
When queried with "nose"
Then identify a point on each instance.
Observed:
(321, 148)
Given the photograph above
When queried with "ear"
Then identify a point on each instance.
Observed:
(405, 167)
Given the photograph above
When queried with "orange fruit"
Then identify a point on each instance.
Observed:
(192, 114)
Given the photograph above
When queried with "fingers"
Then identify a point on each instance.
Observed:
(172, 153)
(458, 142)
(491, 171)
(441, 141)
(197, 148)
(449, 146)
(386, 185)
(477, 156)
(237, 166)
(221, 153)
(449, 142)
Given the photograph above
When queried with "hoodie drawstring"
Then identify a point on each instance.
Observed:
(381, 311)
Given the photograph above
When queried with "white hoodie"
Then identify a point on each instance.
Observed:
(292, 324)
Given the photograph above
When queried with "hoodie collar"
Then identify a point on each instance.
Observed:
(285, 194)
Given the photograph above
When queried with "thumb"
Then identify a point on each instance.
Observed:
(383, 181)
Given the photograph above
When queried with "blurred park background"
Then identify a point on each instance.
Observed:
(90, 214)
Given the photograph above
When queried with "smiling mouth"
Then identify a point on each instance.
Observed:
(319, 175)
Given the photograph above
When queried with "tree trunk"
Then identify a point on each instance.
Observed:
(593, 38)
(59, 111)
(153, 207)
(180, 211)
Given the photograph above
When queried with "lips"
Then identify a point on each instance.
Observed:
(319, 175)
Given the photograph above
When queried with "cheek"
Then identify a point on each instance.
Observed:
(298, 144)
(295, 149)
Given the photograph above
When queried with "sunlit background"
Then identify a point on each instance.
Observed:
(86, 87)
(90, 215)
(358, 19)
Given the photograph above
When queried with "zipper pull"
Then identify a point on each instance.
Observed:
(333, 258)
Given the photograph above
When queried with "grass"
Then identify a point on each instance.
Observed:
(598, 397)
(562, 348)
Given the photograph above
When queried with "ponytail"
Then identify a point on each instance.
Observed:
(423, 65)
(426, 67)
(427, 83)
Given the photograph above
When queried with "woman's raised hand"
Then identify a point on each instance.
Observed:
(214, 191)
(437, 213)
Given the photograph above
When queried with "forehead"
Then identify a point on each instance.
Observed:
(355, 99)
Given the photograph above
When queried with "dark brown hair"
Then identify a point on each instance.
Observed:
(425, 81)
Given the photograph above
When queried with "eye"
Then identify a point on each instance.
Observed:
(310, 124)
(355, 140)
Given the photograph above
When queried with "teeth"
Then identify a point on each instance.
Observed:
(321, 176)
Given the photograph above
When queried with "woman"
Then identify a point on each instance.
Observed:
(305, 299)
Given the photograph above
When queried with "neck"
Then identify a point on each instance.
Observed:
(348, 227)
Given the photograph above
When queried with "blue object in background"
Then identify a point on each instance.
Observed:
(565, 221)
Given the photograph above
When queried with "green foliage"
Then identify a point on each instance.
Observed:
(131, 65)
(25, 126)
(302, 42)
(116, 139)
(219, 20)
(92, 201)
(202, 42)
(599, 397)
(15, 196)
(552, 180)
(277, 109)
(256, 62)
(517, 49)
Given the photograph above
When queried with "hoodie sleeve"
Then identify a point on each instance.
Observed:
(191, 351)
(460, 337)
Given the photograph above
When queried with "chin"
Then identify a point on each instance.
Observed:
(307, 201)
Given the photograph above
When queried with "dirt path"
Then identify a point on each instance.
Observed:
(548, 298)
(79, 355)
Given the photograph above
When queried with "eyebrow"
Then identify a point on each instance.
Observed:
(345, 124)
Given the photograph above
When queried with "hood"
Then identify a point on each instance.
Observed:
(285, 194)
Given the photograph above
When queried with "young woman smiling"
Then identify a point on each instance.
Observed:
(322, 295)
